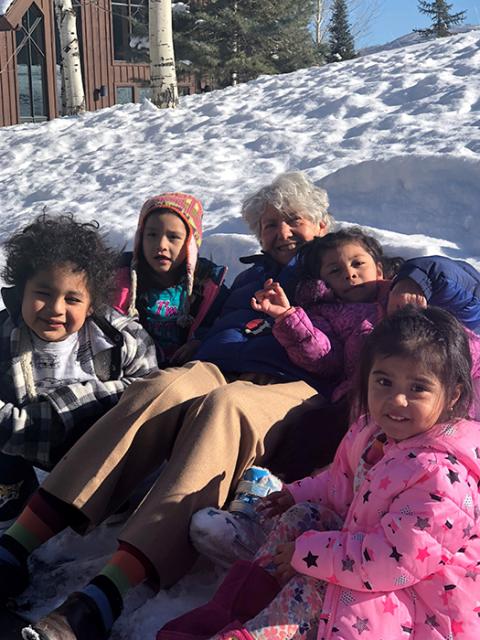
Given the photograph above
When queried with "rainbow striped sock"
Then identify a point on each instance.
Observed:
(126, 568)
(37, 523)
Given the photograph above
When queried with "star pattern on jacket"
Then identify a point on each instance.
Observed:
(310, 560)
(347, 564)
(395, 554)
(406, 629)
(472, 573)
(384, 482)
(457, 626)
(361, 625)
(423, 554)
(366, 496)
(422, 523)
(453, 476)
(432, 621)
(451, 458)
(389, 606)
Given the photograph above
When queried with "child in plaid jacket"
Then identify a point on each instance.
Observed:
(65, 356)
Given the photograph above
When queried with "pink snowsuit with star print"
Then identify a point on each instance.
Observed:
(407, 561)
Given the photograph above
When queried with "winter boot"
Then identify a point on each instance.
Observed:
(78, 618)
(246, 590)
(226, 536)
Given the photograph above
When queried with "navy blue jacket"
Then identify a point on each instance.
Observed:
(231, 346)
(453, 285)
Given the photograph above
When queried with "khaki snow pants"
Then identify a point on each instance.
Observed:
(209, 429)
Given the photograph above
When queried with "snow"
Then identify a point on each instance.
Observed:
(4, 5)
(393, 136)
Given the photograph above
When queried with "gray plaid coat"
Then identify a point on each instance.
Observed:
(40, 428)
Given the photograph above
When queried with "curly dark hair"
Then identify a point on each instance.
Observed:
(311, 254)
(52, 241)
(431, 336)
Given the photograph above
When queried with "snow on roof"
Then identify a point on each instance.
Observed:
(4, 4)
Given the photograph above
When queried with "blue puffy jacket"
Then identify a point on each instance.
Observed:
(453, 285)
(241, 340)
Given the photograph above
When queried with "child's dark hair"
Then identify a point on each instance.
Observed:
(311, 254)
(433, 337)
(52, 241)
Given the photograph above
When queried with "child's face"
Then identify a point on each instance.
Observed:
(281, 237)
(404, 398)
(351, 272)
(163, 244)
(56, 302)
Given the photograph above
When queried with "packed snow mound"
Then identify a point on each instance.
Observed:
(430, 195)
(393, 136)
(423, 100)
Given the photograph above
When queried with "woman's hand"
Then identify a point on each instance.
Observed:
(282, 560)
(275, 503)
(271, 300)
(405, 292)
(184, 353)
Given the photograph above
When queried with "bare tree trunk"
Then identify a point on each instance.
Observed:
(319, 20)
(73, 94)
(163, 78)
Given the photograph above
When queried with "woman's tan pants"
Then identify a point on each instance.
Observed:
(209, 429)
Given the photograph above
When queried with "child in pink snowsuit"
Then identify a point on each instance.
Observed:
(399, 556)
(404, 481)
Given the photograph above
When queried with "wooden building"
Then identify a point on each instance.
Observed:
(114, 61)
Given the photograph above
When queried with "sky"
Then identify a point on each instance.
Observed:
(394, 137)
(395, 18)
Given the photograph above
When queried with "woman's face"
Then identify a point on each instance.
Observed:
(282, 236)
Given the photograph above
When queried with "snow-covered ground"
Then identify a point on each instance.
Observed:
(393, 136)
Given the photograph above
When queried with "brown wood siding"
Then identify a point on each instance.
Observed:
(99, 67)
(8, 79)
(9, 111)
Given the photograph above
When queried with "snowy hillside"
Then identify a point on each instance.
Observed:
(393, 136)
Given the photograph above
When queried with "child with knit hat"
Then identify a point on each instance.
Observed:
(164, 282)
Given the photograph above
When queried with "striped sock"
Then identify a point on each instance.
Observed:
(126, 568)
(38, 522)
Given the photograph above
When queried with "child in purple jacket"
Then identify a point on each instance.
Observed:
(347, 288)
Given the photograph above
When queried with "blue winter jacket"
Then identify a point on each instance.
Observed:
(241, 340)
(453, 285)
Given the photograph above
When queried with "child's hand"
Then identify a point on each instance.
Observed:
(184, 353)
(271, 300)
(405, 292)
(275, 503)
(284, 570)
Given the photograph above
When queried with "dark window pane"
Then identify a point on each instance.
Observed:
(130, 30)
(32, 97)
(145, 92)
(124, 95)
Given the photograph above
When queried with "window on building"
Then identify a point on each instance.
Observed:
(124, 95)
(130, 30)
(31, 70)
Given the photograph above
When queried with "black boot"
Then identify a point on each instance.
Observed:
(78, 618)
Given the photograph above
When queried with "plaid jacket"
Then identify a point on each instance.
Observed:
(41, 428)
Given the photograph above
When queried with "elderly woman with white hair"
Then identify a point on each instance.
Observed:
(210, 420)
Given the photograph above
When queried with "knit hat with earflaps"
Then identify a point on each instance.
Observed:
(190, 210)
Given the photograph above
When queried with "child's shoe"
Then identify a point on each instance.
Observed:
(235, 534)
(78, 618)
